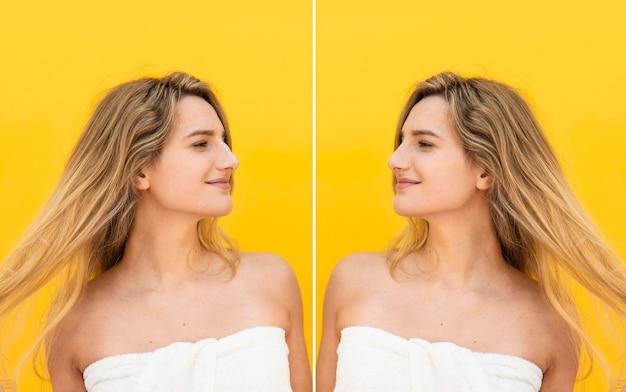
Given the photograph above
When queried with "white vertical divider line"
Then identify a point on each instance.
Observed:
(314, 185)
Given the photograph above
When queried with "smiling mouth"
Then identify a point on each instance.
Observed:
(225, 185)
(405, 184)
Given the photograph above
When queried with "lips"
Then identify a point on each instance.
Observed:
(408, 182)
(220, 183)
(404, 183)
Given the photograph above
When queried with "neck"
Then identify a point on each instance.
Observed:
(462, 248)
(160, 247)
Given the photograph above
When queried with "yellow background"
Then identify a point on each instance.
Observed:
(568, 60)
(59, 57)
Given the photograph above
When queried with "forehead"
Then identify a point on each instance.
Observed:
(431, 113)
(193, 113)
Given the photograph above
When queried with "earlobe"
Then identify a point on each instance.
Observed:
(484, 181)
(141, 181)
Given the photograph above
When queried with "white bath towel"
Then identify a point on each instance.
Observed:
(374, 360)
(252, 359)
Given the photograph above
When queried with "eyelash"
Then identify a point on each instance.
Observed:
(421, 144)
(203, 144)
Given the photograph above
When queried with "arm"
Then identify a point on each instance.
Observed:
(560, 375)
(299, 367)
(65, 375)
(327, 358)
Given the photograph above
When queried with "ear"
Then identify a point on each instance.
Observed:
(484, 180)
(141, 181)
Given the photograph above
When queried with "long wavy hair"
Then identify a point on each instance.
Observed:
(82, 230)
(542, 230)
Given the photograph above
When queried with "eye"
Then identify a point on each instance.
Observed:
(201, 144)
(423, 144)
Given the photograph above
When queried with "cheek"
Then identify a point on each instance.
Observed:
(447, 184)
(450, 180)
(179, 178)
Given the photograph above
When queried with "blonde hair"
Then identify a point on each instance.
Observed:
(82, 230)
(542, 229)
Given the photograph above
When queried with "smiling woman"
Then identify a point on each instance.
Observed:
(472, 295)
(155, 296)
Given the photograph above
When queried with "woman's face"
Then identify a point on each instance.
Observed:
(193, 171)
(432, 172)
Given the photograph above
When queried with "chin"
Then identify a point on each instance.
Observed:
(405, 213)
(216, 211)
(224, 212)
(403, 209)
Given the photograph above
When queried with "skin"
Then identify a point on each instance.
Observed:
(152, 298)
(509, 315)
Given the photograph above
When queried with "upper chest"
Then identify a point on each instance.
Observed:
(481, 323)
(144, 323)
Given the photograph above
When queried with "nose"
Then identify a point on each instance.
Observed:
(227, 160)
(398, 159)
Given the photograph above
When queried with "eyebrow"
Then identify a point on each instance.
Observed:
(208, 132)
(417, 132)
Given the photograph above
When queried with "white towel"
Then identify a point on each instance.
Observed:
(374, 360)
(254, 359)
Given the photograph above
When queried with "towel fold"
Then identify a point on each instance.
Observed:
(254, 359)
(374, 360)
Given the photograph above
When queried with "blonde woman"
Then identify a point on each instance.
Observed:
(471, 296)
(155, 297)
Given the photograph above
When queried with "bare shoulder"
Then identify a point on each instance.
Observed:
(548, 330)
(73, 338)
(65, 347)
(75, 324)
(359, 268)
(355, 275)
(272, 275)
(267, 267)
(63, 341)
(360, 264)
(562, 345)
